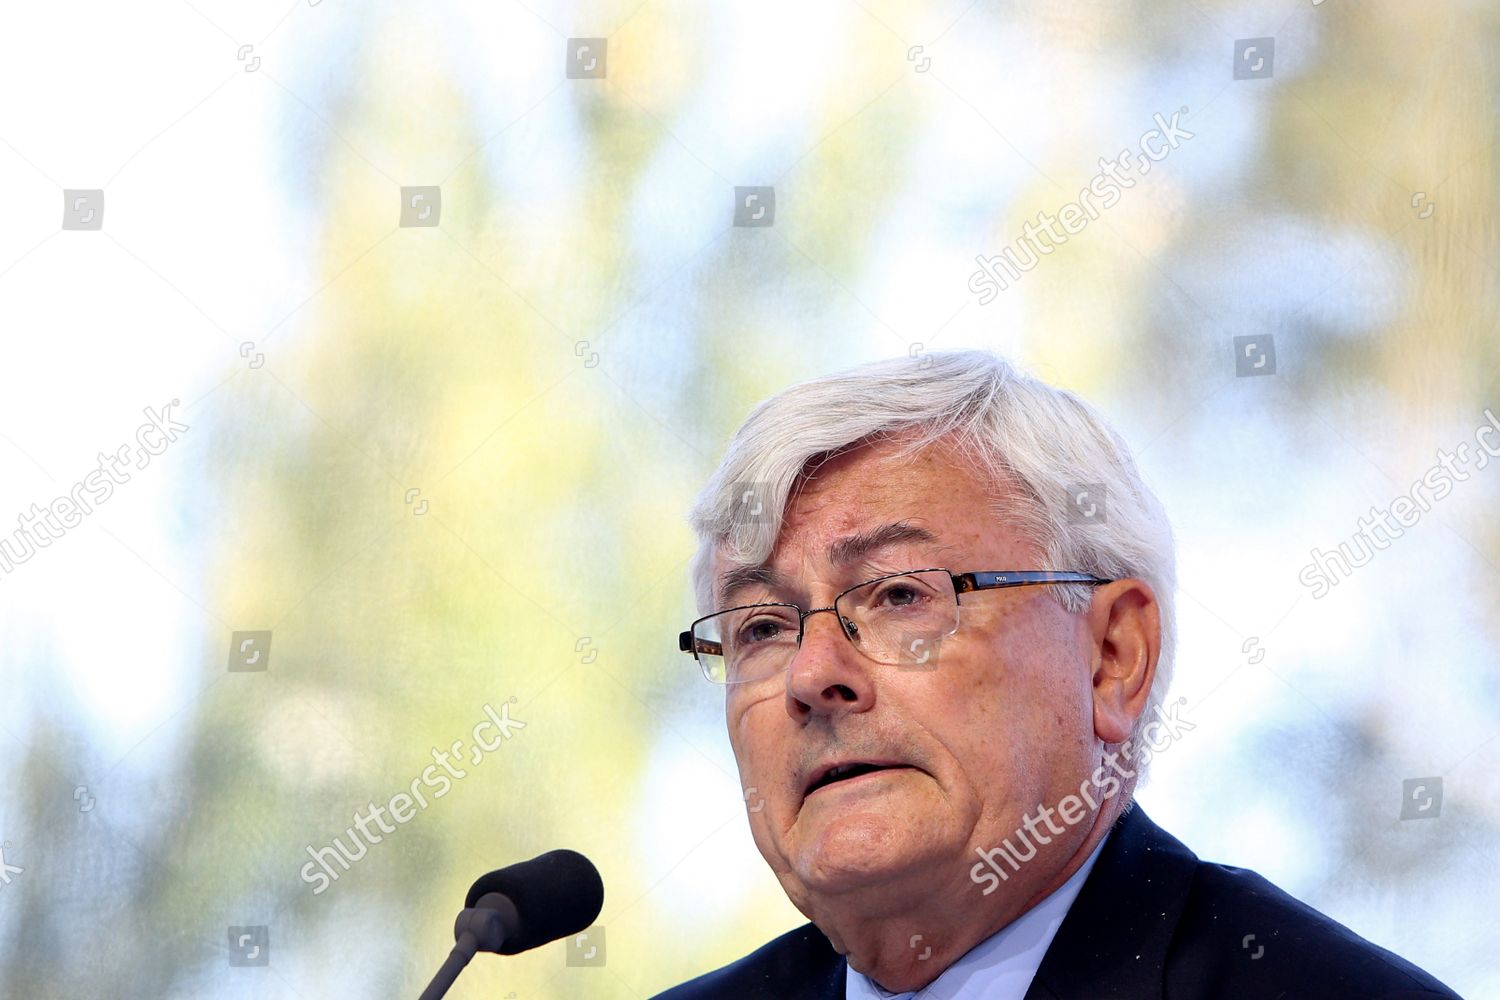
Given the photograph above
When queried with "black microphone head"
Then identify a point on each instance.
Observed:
(556, 895)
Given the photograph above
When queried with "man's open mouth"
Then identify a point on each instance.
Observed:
(844, 772)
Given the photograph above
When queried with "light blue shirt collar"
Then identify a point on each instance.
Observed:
(1001, 966)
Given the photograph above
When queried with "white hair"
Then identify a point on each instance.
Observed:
(1042, 442)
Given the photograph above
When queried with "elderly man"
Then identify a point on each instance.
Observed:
(939, 598)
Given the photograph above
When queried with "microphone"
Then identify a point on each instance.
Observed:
(520, 907)
(554, 896)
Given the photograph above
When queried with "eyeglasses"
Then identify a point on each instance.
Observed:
(896, 619)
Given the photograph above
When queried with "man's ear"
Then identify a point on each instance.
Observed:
(1124, 625)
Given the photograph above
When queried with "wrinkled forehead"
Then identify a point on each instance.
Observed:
(846, 553)
(866, 511)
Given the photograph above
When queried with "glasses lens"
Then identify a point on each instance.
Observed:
(901, 620)
(747, 644)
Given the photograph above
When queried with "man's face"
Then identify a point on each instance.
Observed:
(1000, 722)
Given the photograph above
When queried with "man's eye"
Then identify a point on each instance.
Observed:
(761, 630)
(900, 595)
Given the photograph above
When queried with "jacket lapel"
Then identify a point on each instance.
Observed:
(805, 968)
(1113, 943)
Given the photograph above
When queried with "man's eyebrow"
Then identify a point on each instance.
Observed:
(855, 547)
(841, 553)
(744, 576)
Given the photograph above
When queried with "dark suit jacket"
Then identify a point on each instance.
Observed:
(1152, 921)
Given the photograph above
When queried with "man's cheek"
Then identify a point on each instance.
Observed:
(754, 767)
(743, 709)
(737, 724)
(757, 798)
(769, 841)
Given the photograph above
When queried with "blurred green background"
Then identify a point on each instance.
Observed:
(555, 367)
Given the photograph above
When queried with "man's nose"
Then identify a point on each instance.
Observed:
(827, 675)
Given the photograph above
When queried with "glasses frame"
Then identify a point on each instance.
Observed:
(963, 583)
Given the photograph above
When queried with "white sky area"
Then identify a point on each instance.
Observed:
(92, 336)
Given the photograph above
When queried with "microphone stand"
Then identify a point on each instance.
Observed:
(457, 959)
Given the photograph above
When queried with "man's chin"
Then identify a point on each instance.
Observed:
(860, 850)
